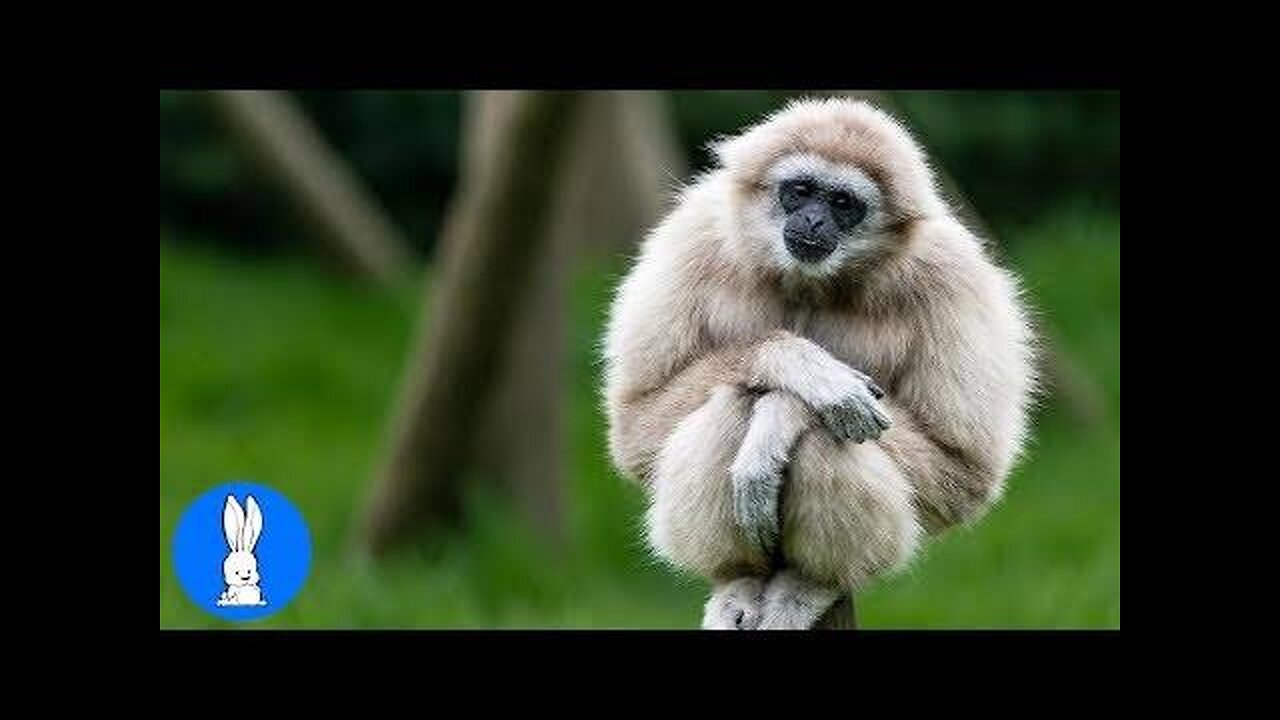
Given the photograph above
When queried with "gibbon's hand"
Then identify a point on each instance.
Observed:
(848, 407)
(777, 421)
(843, 398)
(755, 502)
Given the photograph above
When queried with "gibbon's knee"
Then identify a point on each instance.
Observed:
(690, 520)
(847, 513)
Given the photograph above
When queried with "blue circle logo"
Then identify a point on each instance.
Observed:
(242, 551)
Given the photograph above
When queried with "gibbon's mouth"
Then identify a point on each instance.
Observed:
(808, 249)
(243, 577)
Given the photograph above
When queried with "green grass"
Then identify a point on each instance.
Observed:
(274, 370)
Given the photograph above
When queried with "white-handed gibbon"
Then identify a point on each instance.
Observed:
(812, 364)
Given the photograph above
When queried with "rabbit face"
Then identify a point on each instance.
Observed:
(242, 528)
(240, 568)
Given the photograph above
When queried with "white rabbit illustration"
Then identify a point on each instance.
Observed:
(240, 569)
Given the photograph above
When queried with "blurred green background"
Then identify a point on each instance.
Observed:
(277, 369)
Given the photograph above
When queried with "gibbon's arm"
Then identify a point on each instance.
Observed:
(959, 412)
(842, 397)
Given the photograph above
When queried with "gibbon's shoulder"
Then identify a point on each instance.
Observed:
(700, 203)
(694, 228)
(941, 262)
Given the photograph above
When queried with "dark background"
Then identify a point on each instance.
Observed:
(1016, 154)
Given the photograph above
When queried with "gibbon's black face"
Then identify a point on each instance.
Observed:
(818, 215)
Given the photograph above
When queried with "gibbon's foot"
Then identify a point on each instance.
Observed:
(855, 415)
(734, 605)
(792, 602)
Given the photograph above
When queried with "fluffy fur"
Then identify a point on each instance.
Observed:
(741, 383)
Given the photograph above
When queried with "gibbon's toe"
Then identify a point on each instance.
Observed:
(734, 605)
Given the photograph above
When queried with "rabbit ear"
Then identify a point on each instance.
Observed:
(252, 524)
(232, 522)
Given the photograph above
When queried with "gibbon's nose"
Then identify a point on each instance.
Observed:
(816, 219)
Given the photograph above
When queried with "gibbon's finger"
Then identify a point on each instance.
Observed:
(836, 421)
(882, 418)
(867, 423)
(856, 428)
(746, 509)
(854, 412)
(869, 382)
(855, 431)
(865, 378)
(842, 421)
(873, 430)
(755, 510)
(754, 521)
(845, 422)
(766, 538)
(741, 514)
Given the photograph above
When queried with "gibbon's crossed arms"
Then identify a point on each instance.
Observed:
(811, 364)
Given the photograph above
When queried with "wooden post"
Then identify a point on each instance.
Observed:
(279, 139)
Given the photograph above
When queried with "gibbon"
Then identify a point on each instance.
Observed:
(812, 364)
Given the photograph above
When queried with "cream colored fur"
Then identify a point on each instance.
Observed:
(739, 383)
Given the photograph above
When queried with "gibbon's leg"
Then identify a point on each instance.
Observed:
(734, 605)
(777, 420)
(690, 520)
(795, 602)
(848, 513)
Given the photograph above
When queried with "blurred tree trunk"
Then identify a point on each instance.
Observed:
(522, 438)
(495, 238)
(618, 171)
(616, 179)
(279, 139)
(623, 170)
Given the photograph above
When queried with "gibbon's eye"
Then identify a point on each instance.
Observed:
(794, 193)
(848, 209)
